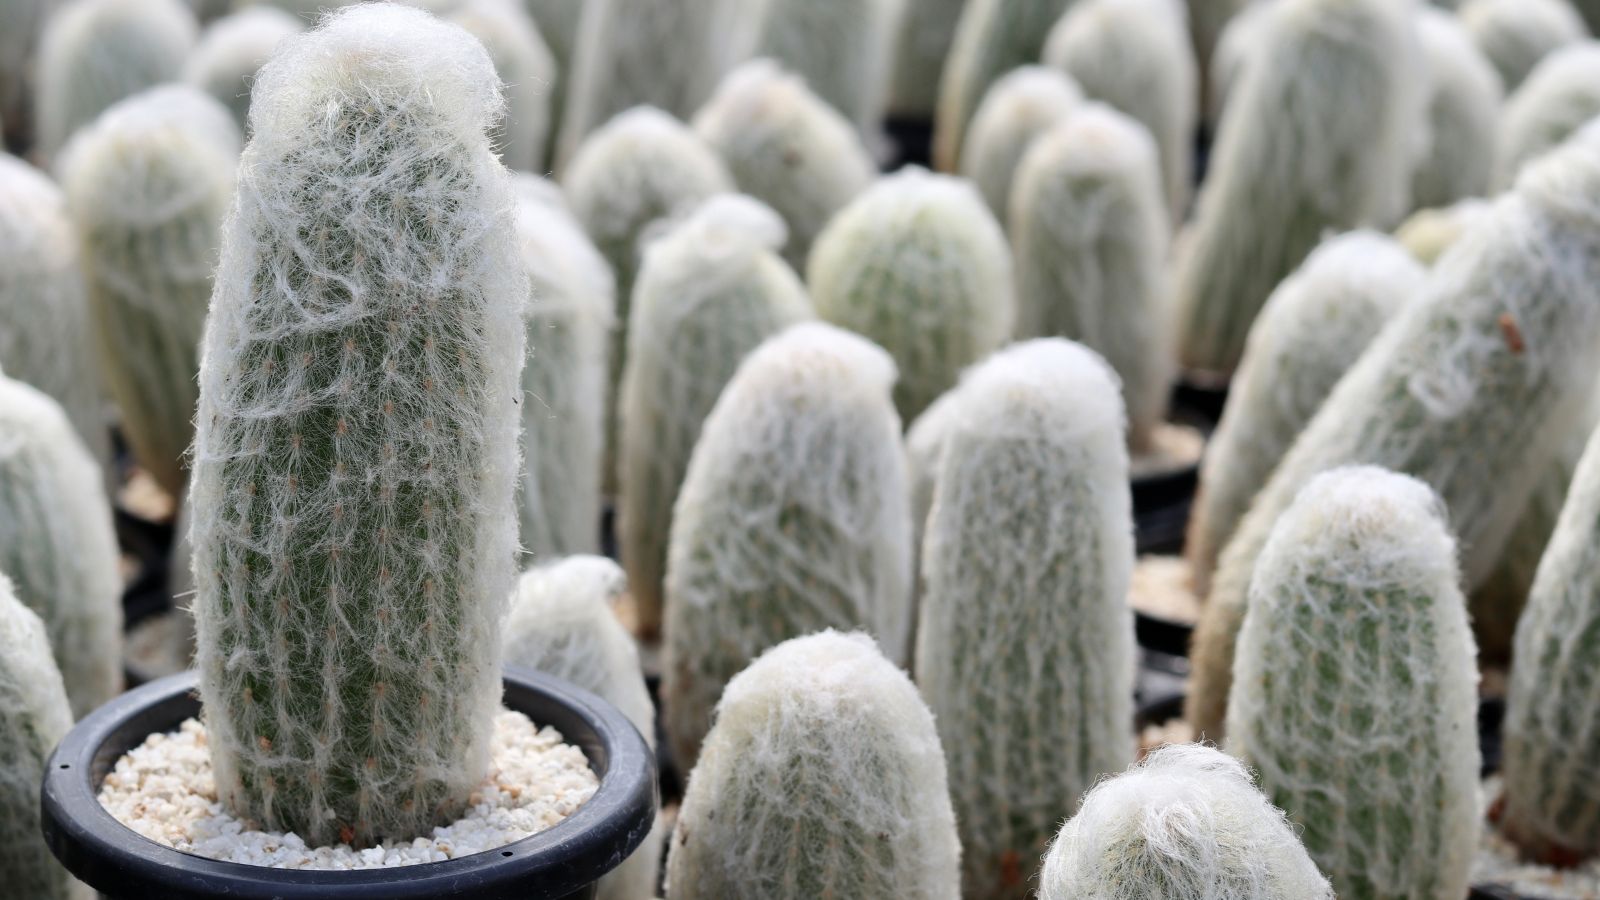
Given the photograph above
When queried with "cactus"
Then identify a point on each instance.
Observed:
(822, 778)
(1136, 56)
(1089, 233)
(56, 542)
(1427, 233)
(842, 48)
(96, 52)
(927, 28)
(523, 61)
(792, 517)
(1355, 687)
(1209, 23)
(1185, 822)
(148, 184)
(1026, 565)
(1234, 48)
(1463, 114)
(18, 41)
(925, 443)
(711, 290)
(1021, 106)
(786, 148)
(231, 51)
(1516, 34)
(1469, 390)
(1560, 95)
(356, 452)
(1312, 329)
(918, 264)
(1315, 138)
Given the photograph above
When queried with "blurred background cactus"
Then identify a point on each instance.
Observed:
(1019, 107)
(232, 49)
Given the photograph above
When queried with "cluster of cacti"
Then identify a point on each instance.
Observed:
(1560, 96)
(1027, 102)
(1025, 569)
(927, 28)
(841, 48)
(1089, 234)
(711, 290)
(1316, 137)
(527, 69)
(822, 778)
(1516, 34)
(1185, 822)
(918, 264)
(1463, 115)
(1427, 233)
(792, 518)
(1232, 51)
(355, 459)
(231, 51)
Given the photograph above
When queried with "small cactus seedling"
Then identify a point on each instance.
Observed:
(919, 265)
(927, 28)
(1026, 564)
(1560, 96)
(1185, 822)
(842, 48)
(231, 51)
(1464, 98)
(1427, 233)
(1021, 106)
(528, 71)
(711, 290)
(355, 459)
(792, 518)
(822, 778)
(1516, 34)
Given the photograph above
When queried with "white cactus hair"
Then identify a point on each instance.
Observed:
(843, 48)
(1428, 233)
(525, 66)
(232, 49)
(1516, 34)
(1463, 117)
(1017, 108)
(1559, 97)
(1240, 36)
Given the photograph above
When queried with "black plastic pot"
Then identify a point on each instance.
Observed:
(563, 862)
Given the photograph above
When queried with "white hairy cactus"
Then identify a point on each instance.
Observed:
(1464, 96)
(1427, 233)
(1026, 562)
(1021, 106)
(557, 21)
(918, 264)
(786, 148)
(1186, 822)
(525, 66)
(842, 48)
(1089, 235)
(822, 778)
(24, 19)
(1560, 96)
(1233, 50)
(1136, 56)
(927, 28)
(96, 52)
(1209, 23)
(1516, 34)
(231, 51)
(1312, 329)
(711, 290)
(792, 518)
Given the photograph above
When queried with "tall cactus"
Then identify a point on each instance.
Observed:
(1516, 34)
(528, 71)
(1354, 692)
(1560, 95)
(918, 264)
(1021, 106)
(842, 48)
(356, 451)
(231, 51)
(711, 291)
(927, 28)
(822, 778)
(1464, 97)
(18, 43)
(792, 518)
(1026, 564)
(1235, 47)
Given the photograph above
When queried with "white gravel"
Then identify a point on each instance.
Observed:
(163, 789)
(1163, 587)
(1498, 863)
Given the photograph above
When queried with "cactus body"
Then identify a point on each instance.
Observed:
(523, 61)
(1560, 96)
(711, 291)
(1427, 233)
(1089, 234)
(23, 19)
(927, 28)
(1312, 329)
(919, 265)
(1021, 106)
(1373, 756)
(1296, 156)
(356, 453)
(1463, 114)
(1234, 48)
(1209, 22)
(1026, 564)
(1185, 822)
(822, 778)
(231, 51)
(1515, 35)
(792, 518)
(786, 148)
(557, 21)
(842, 48)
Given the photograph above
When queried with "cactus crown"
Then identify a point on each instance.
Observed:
(1560, 95)
(1020, 107)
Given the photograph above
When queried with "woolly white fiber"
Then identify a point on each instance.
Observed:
(557, 21)
(1209, 24)
(231, 51)
(822, 778)
(793, 517)
(1427, 233)
(842, 48)
(1025, 637)
(1464, 96)
(355, 460)
(1233, 50)
(1560, 96)
(1024, 104)
(526, 67)
(711, 290)
(927, 29)
(1186, 822)
(1516, 34)
(925, 443)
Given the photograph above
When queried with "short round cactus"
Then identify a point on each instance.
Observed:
(528, 71)
(1463, 114)
(1021, 106)
(842, 48)
(1560, 96)
(927, 28)
(231, 51)
(1427, 233)
(1516, 34)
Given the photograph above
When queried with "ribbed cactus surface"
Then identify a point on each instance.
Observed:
(526, 67)
(1463, 119)
(1560, 96)
(1025, 638)
(1024, 104)
(822, 778)
(231, 51)
(843, 48)
(1516, 34)
(356, 453)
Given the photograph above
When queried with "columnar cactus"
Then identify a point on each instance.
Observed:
(56, 542)
(1374, 756)
(1209, 21)
(927, 28)
(1464, 97)
(147, 185)
(1427, 233)
(792, 518)
(557, 21)
(355, 460)
(1136, 56)
(786, 148)
(96, 52)
(1315, 138)
(822, 778)
(1515, 35)
(842, 48)
(1311, 330)
(1469, 390)
(231, 51)
(1560, 96)
(525, 65)
(1021, 106)
(711, 291)
(1185, 822)
(23, 19)
(1089, 234)
(1235, 47)
(918, 264)
(1026, 564)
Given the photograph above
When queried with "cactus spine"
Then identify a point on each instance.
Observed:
(711, 290)
(918, 264)
(523, 61)
(842, 48)
(1463, 114)
(1515, 35)
(1561, 94)
(1185, 822)
(927, 28)
(1026, 564)
(231, 51)
(1021, 106)
(792, 518)
(863, 809)
(356, 452)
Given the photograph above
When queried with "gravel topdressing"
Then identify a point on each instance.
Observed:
(163, 789)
